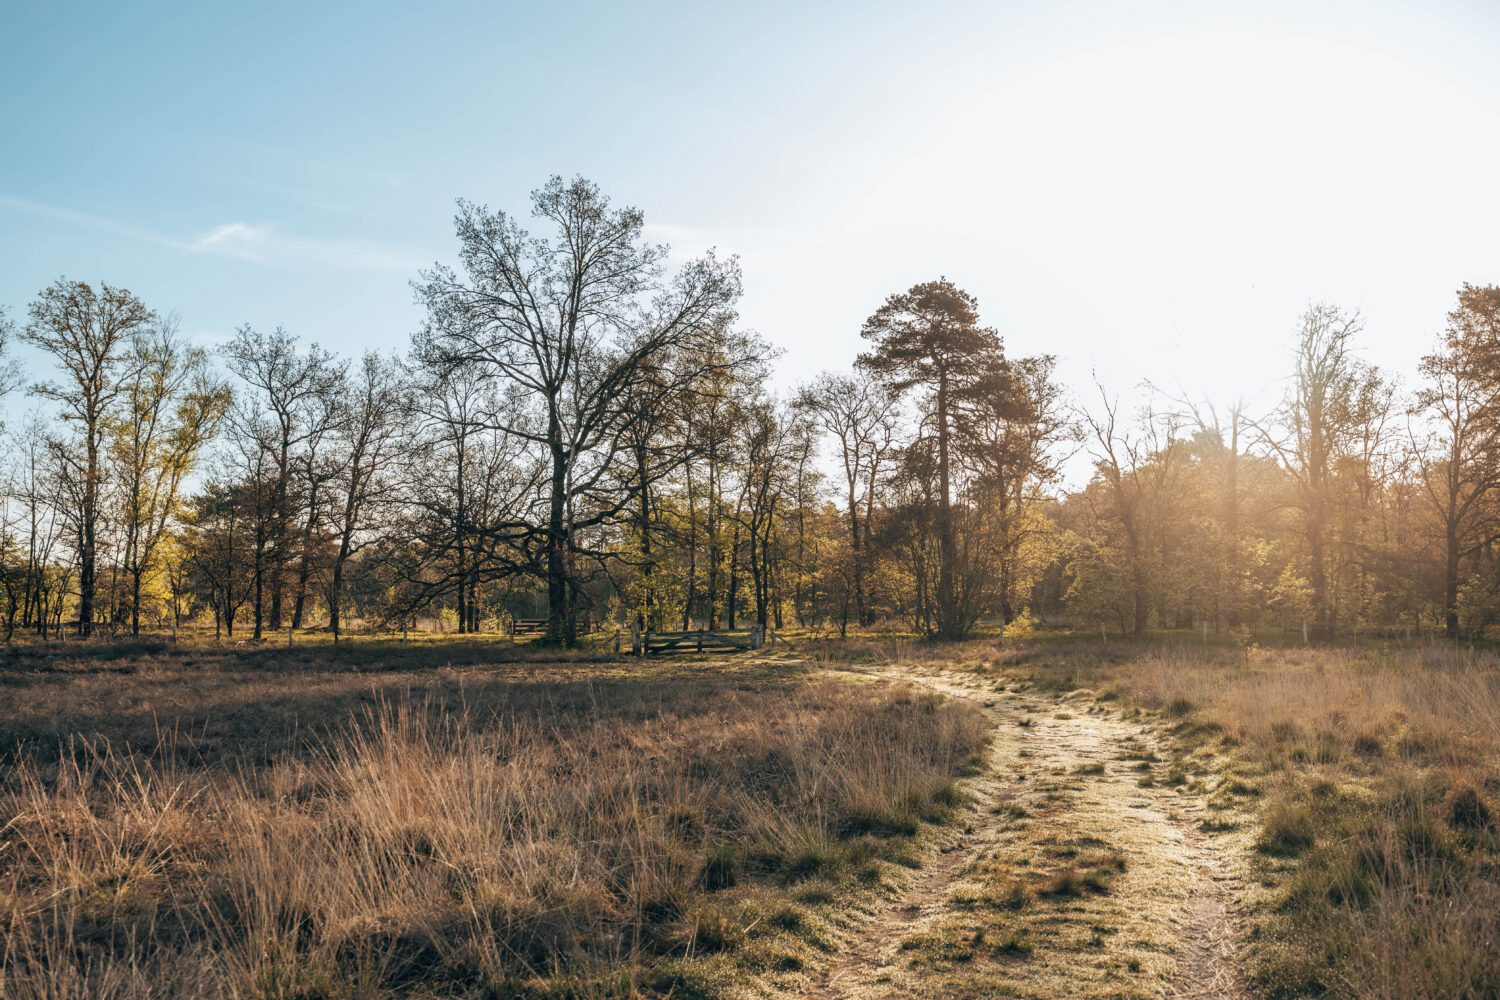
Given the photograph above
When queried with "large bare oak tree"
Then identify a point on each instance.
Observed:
(575, 319)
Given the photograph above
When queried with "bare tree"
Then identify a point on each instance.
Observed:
(371, 427)
(218, 536)
(316, 469)
(719, 407)
(284, 408)
(575, 321)
(89, 333)
(470, 496)
(171, 405)
(1138, 468)
(1461, 401)
(33, 488)
(13, 575)
(860, 413)
(1222, 439)
(773, 440)
(1015, 444)
(1327, 411)
(11, 375)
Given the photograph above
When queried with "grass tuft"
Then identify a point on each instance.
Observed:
(1287, 832)
(1464, 809)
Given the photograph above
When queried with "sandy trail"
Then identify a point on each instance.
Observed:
(1174, 928)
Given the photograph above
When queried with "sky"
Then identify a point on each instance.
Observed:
(1153, 190)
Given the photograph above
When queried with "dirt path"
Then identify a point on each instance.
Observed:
(1079, 870)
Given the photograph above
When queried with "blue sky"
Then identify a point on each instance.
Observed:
(1149, 189)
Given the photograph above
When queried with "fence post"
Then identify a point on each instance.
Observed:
(756, 636)
(617, 640)
(700, 640)
(635, 639)
(773, 638)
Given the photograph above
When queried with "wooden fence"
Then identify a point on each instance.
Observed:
(587, 625)
(650, 643)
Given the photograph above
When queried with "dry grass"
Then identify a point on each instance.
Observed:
(1075, 894)
(1367, 781)
(226, 828)
(235, 700)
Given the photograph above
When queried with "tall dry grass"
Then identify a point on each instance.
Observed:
(628, 836)
(1447, 698)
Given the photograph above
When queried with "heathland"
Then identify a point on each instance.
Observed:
(1044, 817)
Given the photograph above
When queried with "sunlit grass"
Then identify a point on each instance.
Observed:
(541, 830)
(1367, 784)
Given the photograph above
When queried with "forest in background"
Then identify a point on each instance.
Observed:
(582, 433)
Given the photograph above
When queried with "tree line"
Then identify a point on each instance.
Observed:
(582, 432)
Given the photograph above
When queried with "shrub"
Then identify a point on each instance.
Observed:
(1023, 626)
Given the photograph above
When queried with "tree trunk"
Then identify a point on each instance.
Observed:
(692, 551)
(1450, 581)
(949, 626)
(734, 579)
(260, 578)
(713, 527)
(561, 627)
(647, 568)
(135, 600)
(86, 546)
(336, 598)
(856, 555)
(1318, 577)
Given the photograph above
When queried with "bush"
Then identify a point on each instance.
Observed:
(1023, 626)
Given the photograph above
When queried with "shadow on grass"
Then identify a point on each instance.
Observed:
(214, 704)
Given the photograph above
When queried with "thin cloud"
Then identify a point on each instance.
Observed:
(99, 222)
(262, 244)
(255, 243)
(232, 238)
